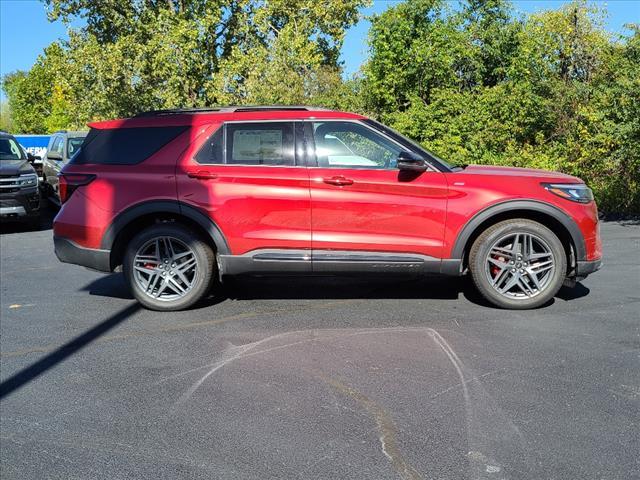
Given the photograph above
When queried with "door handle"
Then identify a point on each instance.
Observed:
(202, 175)
(338, 180)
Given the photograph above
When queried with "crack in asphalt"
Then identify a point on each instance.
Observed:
(386, 428)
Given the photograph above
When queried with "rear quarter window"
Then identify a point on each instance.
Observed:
(124, 146)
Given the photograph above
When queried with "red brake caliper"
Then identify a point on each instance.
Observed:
(494, 268)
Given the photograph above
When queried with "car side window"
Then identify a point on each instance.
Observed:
(352, 145)
(212, 151)
(267, 143)
(58, 146)
(73, 145)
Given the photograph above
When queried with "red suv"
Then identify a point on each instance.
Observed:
(182, 198)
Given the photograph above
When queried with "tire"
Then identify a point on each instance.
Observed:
(179, 281)
(518, 264)
(48, 193)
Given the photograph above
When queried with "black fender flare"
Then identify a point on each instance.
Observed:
(165, 206)
(531, 205)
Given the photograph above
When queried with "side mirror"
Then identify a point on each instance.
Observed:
(54, 156)
(408, 161)
(31, 157)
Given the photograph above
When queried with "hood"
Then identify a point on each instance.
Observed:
(520, 172)
(15, 167)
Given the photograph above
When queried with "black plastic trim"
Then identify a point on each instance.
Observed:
(509, 205)
(451, 267)
(68, 251)
(165, 206)
(584, 268)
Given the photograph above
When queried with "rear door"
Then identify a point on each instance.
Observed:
(249, 180)
(364, 208)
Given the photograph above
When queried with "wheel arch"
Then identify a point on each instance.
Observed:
(548, 215)
(142, 215)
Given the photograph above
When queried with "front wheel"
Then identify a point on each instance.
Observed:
(168, 267)
(518, 264)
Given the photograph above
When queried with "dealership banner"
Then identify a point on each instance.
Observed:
(34, 144)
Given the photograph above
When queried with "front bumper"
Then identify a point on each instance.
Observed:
(20, 204)
(585, 268)
(68, 251)
(15, 210)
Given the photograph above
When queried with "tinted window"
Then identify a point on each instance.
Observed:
(73, 145)
(124, 146)
(213, 149)
(10, 150)
(352, 145)
(260, 143)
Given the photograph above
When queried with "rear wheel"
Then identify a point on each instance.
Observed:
(518, 264)
(168, 267)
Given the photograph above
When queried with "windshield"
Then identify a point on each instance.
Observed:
(10, 150)
(398, 137)
(73, 145)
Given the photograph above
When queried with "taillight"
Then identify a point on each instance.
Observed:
(69, 182)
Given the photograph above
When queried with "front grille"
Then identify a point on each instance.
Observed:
(9, 203)
(10, 184)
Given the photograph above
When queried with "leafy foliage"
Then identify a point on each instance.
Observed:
(550, 91)
(475, 84)
(134, 55)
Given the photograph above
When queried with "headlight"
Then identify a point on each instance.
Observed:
(576, 192)
(28, 180)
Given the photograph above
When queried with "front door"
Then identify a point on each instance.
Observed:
(249, 181)
(364, 210)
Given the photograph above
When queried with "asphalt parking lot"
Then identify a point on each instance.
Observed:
(316, 378)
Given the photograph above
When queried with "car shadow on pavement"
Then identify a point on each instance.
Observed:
(330, 288)
(31, 372)
(572, 293)
(313, 288)
(113, 286)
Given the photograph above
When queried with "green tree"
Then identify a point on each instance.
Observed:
(136, 55)
(478, 85)
(36, 97)
(474, 83)
(6, 122)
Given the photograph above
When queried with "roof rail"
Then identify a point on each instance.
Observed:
(175, 111)
(226, 109)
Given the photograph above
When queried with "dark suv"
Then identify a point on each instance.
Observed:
(62, 146)
(181, 198)
(19, 192)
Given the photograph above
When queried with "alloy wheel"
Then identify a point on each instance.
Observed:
(165, 268)
(520, 265)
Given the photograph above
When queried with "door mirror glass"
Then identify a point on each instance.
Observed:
(53, 155)
(411, 162)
